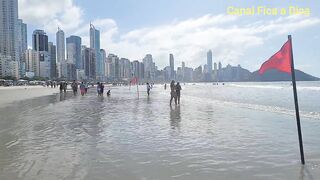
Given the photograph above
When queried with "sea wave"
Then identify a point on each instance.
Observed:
(259, 107)
(283, 86)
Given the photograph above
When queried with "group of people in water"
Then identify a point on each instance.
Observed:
(175, 89)
(174, 92)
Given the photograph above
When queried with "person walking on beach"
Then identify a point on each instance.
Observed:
(165, 86)
(98, 89)
(74, 86)
(148, 89)
(86, 86)
(178, 89)
(173, 92)
(61, 87)
(82, 88)
(65, 84)
(101, 89)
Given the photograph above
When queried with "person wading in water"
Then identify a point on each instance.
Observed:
(82, 89)
(148, 89)
(178, 89)
(74, 86)
(173, 92)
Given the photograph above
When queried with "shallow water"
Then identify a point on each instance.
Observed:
(237, 131)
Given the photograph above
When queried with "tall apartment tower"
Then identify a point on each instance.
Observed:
(95, 44)
(61, 48)
(209, 65)
(39, 40)
(8, 29)
(171, 61)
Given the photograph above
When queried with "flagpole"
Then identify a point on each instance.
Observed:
(296, 103)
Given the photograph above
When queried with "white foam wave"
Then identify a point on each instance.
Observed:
(283, 86)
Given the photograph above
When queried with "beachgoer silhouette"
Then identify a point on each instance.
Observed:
(82, 88)
(74, 86)
(173, 92)
(98, 89)
(101, 89)
(178, 89)
(65, 86)
(148, 89)
(61, 86)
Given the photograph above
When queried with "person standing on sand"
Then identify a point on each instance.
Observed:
(165, 86)
(178, 89)
(148, 89)
(173, 92)
(82, 88)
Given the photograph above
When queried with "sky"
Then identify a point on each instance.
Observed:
(186, 28)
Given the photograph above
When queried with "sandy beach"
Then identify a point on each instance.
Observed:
(13, 94)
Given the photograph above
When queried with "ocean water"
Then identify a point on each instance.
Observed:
(232, 131)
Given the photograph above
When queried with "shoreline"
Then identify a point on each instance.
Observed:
(13, 94)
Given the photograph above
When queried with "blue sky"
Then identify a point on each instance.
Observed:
(186, 28)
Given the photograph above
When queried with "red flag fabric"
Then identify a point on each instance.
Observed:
(280, 61)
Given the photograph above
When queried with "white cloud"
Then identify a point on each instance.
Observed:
(49, 14)
(188, 40)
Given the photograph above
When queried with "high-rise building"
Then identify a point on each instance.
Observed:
(125, 68)
(113, 67)
(95, 44)
(188, 74)
(45, 64)
(8, 67)
(220, 66)
(198, 74)
(39, 40)
(135, 69)
(215, 67)
(89, 60)
(103, 56)
(183, 66)
(149, 68)
(41, 55)
(53, 55)
(141, 71)
(32, 62)
(8, 29)
(209, 66)
(171, 61)
(74, 51)
(22, 46)
(61, 47)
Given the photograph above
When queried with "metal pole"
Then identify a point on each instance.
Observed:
(296, 102)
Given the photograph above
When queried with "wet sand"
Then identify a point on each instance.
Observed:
(67, 137)
(13, 94)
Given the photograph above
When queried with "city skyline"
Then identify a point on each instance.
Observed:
(234, 40)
